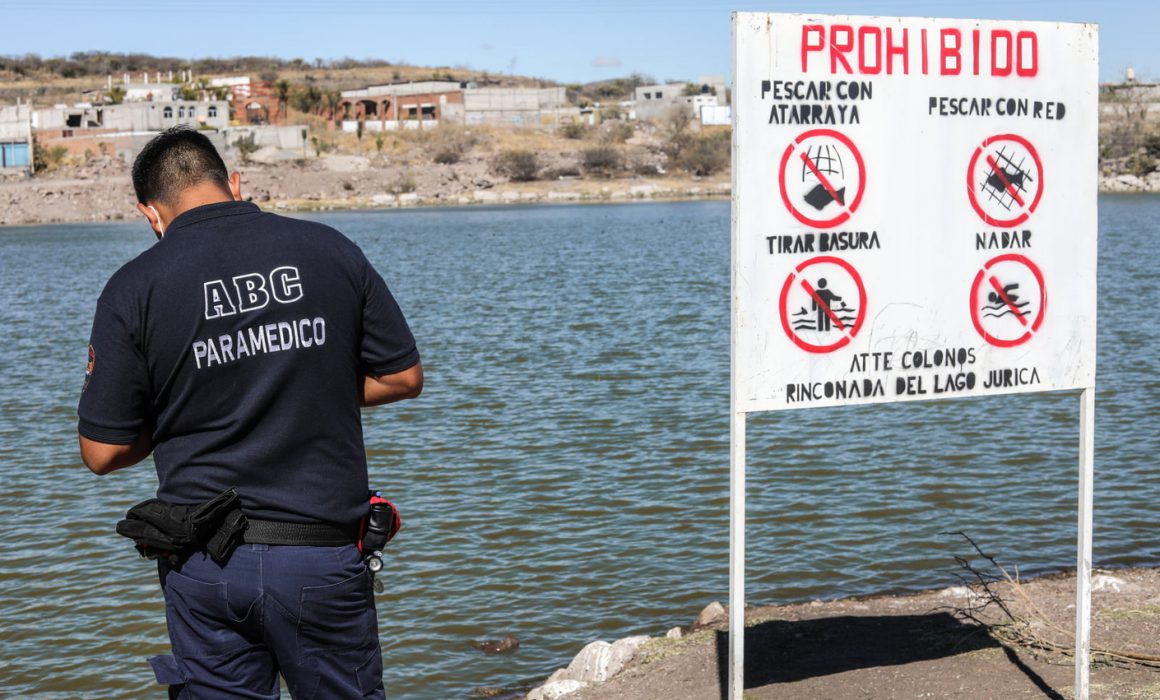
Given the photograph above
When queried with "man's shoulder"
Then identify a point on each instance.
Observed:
(132, 275)
(309, 232)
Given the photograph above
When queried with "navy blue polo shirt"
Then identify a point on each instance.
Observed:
(240, 342)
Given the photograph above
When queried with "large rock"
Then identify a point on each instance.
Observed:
(712, 614)
(1104, 582)
(600, 661)
(621, 653)
(556, 689)
(591, 664)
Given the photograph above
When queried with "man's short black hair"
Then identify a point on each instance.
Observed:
(175, 160)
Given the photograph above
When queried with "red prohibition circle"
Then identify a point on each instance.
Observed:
(783, 312)
(974, 197)
(1035, 324)
(789, 150)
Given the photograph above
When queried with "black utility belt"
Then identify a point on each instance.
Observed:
(308, 534)
(163, 530)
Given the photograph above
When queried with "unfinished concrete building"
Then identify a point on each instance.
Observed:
(402, 106)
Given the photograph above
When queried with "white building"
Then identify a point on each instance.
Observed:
(658, 101)
(15, 137)
(134, 116)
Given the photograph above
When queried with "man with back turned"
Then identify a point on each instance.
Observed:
(238, 350)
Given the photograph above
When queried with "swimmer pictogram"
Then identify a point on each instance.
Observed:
(1008, 300)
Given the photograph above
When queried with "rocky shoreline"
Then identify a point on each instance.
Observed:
(928, 644)
(100, 190)
(1131, 183)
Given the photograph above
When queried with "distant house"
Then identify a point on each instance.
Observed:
(133, 116)
(428, 104)
(15, 138)
(1130, 99)
(659, 101)
(86, 129)
(418, 105)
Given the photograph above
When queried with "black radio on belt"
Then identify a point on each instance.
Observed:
(379, 527)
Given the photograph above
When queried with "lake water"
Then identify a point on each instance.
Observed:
(564, 476)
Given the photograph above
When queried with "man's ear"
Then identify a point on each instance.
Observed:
(151, 217)
(236, 186)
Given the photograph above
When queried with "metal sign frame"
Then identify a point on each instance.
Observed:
(742, 397)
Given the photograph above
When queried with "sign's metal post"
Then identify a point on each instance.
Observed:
(736, 435)
(1083, 569)
(737, 556)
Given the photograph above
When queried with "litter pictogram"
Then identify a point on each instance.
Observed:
(1008, 300)
(822, 178)
(1005, 180)
(823, 304)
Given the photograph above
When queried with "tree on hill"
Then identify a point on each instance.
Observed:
(282, 90)
(333, 100)
(307, 99)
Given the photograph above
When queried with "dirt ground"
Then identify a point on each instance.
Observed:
(914, 646)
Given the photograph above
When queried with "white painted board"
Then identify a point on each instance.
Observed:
(914, 209)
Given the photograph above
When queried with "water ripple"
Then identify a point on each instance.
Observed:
(565, 475)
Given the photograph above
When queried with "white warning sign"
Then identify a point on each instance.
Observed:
(914, 208)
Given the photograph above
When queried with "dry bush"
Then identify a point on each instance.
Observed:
(707, 153)
(602, 161)
(517, 165)
(676, 132)
(573, 130)
(447, 145)
(1140, 164)
(402, 184)
(616, 132)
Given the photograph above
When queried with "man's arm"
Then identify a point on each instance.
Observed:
(389, 388)
(103, 458)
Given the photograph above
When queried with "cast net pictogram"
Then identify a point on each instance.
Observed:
(1006, 184)
(826, 158)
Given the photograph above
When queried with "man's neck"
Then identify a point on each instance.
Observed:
(198, 196)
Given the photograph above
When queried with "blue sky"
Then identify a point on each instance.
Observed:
(575, 41)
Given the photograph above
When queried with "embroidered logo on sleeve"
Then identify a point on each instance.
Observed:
(89, 367)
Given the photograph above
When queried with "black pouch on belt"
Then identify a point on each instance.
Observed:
(161, 529)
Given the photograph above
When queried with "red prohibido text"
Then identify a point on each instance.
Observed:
(870, 50)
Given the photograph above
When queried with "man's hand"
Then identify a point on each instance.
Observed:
(389, 388)
(103, 458)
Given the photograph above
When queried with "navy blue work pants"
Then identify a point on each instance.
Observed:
(307, 613)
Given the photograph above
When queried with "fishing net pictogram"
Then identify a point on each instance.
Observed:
(827, 159)
(1012, 178)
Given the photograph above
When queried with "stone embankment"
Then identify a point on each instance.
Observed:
(101, 190)
(1131, 183)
